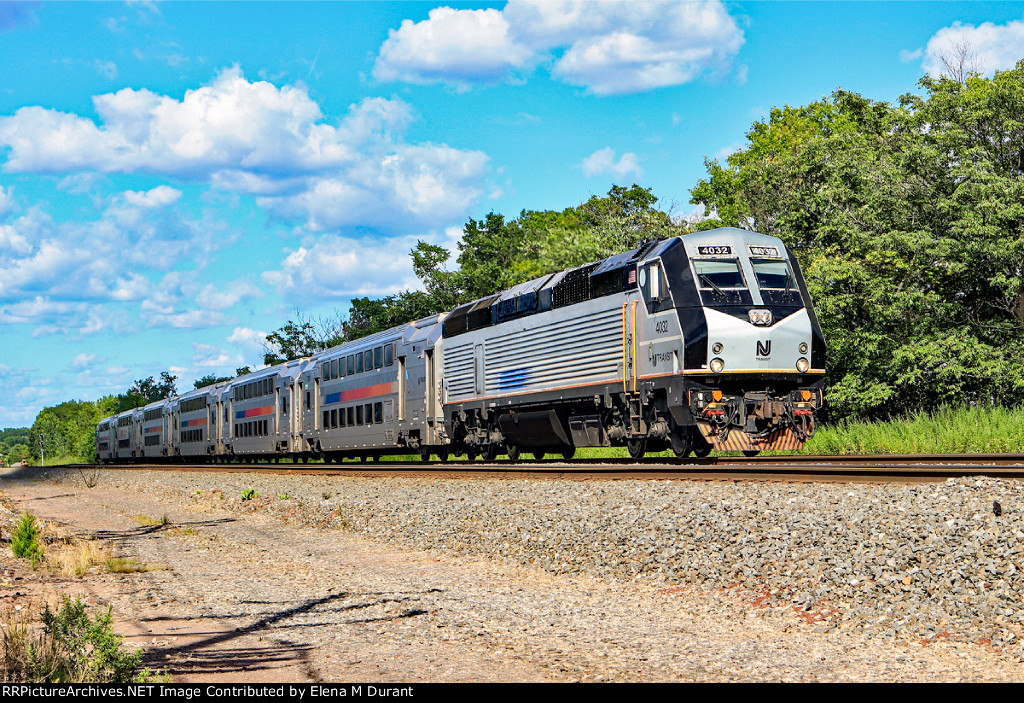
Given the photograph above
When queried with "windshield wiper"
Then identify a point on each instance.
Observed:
(789, 285)
(704, 277)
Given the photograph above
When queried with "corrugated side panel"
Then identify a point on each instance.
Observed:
(458, 370)
(560, 351)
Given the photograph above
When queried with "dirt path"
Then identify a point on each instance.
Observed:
(245, 598)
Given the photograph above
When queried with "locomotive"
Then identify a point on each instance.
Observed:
(693, 343)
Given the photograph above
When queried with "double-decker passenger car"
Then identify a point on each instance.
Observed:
(376, 395)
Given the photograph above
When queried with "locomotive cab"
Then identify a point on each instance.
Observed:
(755, 363)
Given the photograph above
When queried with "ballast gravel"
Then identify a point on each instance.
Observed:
(920, 561)
(927, 563)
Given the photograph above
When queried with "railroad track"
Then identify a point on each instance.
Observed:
(859, 468)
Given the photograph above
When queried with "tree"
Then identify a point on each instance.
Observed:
(300, 338)
(908, 221)
(960, 61)
(68, 430)
(146, 391)
(210, 380)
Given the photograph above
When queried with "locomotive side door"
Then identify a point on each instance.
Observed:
(431, 399)
(629, 346)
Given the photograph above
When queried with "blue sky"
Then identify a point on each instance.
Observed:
(177, 179)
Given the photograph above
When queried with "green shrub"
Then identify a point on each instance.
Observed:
(249, 494)
(70, 648)
(25, 542)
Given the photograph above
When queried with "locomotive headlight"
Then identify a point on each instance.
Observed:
(803, 347)
(717, 365)
(802, 365)
(760, 317)
(716, 348)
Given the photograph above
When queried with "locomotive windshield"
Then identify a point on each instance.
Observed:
(773, 274)
(776, 280)
(718, 274)
(721, 281)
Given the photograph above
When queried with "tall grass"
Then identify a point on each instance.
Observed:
(946, 431)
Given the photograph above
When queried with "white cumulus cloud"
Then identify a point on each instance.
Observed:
(258, 139)
(205, 355)
(603, 162)
(608, 47)
(458, 46)
(991, 47)
(249, 341)
(336, 267)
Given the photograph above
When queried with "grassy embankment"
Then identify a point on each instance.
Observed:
(947, 431)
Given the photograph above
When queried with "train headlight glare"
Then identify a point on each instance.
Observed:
(760, 317)
(802, 365)
(803, 347)
(716, 348)
(717, 365)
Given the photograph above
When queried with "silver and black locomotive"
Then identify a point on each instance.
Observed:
(700, 342)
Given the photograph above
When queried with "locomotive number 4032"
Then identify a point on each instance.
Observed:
(714, 250)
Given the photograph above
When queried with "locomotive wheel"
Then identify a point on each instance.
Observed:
(569, 453)
(442, 455)
(513, 452)
(681, 442)
(424, 454)
(490, 452)
(637, 448)
(539, 456)
(471, 455)
(702, 450)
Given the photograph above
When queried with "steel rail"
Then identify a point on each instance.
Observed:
(859, 468)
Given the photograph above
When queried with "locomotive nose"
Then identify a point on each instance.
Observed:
(748, 343)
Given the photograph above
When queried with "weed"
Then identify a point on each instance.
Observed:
(283, 496)
(249, 494)
(74, 559)
(25, 541)
(147, 521)
(70, 647)
(125, 565)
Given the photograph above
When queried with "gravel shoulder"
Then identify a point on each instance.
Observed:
(341, 579)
